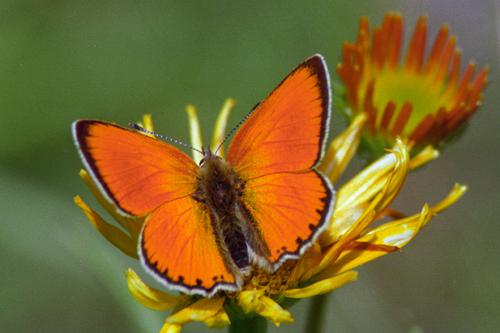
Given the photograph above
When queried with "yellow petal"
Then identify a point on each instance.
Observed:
(147, 122)
(113, 234)
(271, 310)
(323, 286)
(254, 300)
(389, 190)
(302, 270)
(219, 133)
(371, 180)
(334, 251)
(383, 178)
(171, 328)
(249, 299)
(342, 221)
(365, 184)
(132, 225)
(220, 320)
(201, 310)
(455, 194)
(195, 132)
(148, 296)
(400, 232)
(395, 234)
(425, 156)
(357, 256)
(342, 149)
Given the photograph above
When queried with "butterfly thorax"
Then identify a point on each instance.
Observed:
(220, 189)
(218, 184)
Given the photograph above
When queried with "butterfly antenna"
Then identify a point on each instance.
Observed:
(162, 137)
(231, 132)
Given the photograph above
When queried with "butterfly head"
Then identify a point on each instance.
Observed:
(208, 155)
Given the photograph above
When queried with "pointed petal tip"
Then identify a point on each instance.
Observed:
(171, 328)
(323, 286)
(201, 310)
(150, 297)
(147, 122)
(220, 320)
(114, 235)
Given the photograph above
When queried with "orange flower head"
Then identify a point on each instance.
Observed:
(422, 98)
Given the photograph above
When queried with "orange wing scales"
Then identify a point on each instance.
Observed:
(287, 130)
(275, 153)
(136, 172)
(179, 247)
(290, 210)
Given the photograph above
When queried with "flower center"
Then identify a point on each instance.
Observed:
(272, 283)
(401, 86)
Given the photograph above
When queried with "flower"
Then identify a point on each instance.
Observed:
(349, 241)
(422, 99)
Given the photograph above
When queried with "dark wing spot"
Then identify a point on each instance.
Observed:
(324, 199)
(319, 211)
(312, 226)
(199, 282)
(283, 248)
(215, 278)
(181, 279)
(299, 240)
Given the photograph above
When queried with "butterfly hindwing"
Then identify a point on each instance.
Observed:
(180, 247)
(289, 209)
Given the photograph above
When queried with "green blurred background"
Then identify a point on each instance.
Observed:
(64, 60)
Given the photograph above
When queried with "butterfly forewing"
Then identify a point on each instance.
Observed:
(138, 173)
(287, 130)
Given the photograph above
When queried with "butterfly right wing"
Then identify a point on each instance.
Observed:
(275, 151)
(179, 247)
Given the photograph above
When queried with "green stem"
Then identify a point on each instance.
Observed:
(255, 324)
(316, 314)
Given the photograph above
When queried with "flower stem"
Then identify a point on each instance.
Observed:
(316, 314)
(255, 324)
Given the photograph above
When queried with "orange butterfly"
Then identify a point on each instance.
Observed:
(206, 225)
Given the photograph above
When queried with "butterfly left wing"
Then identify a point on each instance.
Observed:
(275, 151)
(144, 176)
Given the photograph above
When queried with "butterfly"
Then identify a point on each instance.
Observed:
(207, 225)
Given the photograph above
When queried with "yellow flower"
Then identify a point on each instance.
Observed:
(424, 99)
(348, 242)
